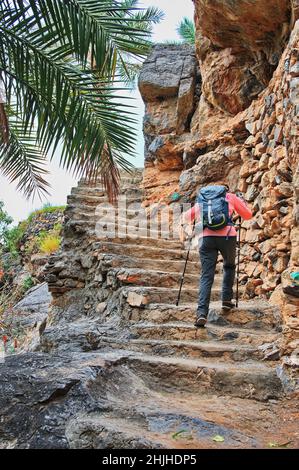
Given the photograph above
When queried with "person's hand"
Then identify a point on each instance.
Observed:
(240, 195)
(236, 219)
(182, 234)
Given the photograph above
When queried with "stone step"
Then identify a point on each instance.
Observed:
(97, 189)
(250, 379)
(176, 424)
(160, 295)
(114, 229)
(108, 218)
(186, 331)
(129, 248)
(127, 198)
(249, 314)
(98, 207)
(224, 351)
(139, 240)
(141, 277)
(125, 187)
(89, 222)
(140, 219)
(137, 178)
(125, 177)
(115, 261)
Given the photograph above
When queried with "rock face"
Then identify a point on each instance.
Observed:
(28, 317)
(244, 130)
(239, 44)
(170, 85)
(93, 401)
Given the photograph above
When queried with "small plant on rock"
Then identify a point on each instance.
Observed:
(50, 244)
(28, 283)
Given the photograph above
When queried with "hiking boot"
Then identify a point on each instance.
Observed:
(227, 305)
(200, 321)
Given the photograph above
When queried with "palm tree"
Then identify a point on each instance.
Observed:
(186, 31)
(61, 64)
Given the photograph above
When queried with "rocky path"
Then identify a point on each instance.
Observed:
(130, 370)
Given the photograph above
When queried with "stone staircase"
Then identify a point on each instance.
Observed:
(168, 376)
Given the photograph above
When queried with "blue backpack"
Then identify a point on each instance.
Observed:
(214, 207)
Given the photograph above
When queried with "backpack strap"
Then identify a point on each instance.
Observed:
(210, 211)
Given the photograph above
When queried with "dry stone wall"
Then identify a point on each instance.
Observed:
(269, 178)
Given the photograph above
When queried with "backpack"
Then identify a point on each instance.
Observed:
(214, 207)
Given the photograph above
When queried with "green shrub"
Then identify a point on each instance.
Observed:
(57, 228)
(5, 221)
(12, 238)
(28, 283)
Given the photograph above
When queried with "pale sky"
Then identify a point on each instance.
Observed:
(61, 181)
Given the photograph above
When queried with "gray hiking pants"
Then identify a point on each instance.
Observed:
(208, 252)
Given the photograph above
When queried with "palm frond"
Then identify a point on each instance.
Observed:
(186, 31)
(128, 72)
(64, 66)
(22, 160)
(87, 27)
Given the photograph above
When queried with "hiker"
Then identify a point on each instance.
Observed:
(219, 234)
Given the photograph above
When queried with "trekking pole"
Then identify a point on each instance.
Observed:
(187, 258)
(238, 262)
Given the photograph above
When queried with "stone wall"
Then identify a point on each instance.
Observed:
(47, 222)
(269, 178)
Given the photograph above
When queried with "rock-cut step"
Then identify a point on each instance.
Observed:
(138, 296)
(142, 277)
(156, 278)
(250, 379)
(225, 351)
(114, 229)
(126, 238)
(249, 314)
(153, 425)
(129, 248)
(150, 264)
(187, 331)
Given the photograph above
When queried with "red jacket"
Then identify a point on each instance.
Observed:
(235, 204)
